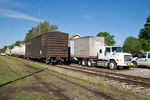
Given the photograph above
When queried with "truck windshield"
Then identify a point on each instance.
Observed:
(116, 49)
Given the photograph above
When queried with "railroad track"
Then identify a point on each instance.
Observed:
(129, 80)
(106, 72)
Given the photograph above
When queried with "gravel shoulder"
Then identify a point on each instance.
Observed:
(140, 72)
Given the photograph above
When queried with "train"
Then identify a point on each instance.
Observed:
(59, 47)
(50, 47)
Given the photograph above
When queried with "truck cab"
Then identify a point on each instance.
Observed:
(113, 57)
(143, 60)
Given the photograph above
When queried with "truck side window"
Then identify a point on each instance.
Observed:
(149, 55)
(107, 49)
(144, 55)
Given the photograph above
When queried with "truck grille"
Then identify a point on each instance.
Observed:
(127, 58)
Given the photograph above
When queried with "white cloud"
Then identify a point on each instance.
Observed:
(89, 16)
(18, 15)
(14, 3)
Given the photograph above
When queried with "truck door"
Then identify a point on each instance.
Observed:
(142, 60)
(101, 53)
(107, 53)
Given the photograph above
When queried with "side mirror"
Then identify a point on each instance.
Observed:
(100, 51)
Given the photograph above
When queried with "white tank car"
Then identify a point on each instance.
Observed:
(8, 51)
(18, 50)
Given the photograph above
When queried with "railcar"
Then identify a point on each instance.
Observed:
(50, 47)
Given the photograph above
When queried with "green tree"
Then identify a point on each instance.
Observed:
(3, 50)
(148, 20)
(44, 27)
(131, 45)
(53, 28)
(144, 35)
(109, 39)
(29, 35)
(18, 43)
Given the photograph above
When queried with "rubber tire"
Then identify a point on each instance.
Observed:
(134, 64)
(89, 63)
(84, 62)
(112, 65)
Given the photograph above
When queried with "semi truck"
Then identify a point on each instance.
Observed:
(92, 51)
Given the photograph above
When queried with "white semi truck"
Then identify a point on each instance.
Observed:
(91, 51)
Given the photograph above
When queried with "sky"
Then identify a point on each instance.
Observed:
(121, 18)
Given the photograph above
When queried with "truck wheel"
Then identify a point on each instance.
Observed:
(112, 65)
(84, 62)
(89, 63)
(135, 64)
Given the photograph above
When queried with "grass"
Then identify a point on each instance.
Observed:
(10, 72)
(33, 96)
(5, 72)
(114, 89)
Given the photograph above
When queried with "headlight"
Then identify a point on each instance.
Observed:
(117, 59)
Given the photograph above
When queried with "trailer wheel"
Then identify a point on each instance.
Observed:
(112, 65)
(89, 63)
(84, 62)
(135, 64)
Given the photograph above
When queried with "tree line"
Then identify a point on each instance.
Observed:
(142, 43)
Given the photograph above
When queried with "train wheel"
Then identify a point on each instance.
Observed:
(28, 58)
(47, 61)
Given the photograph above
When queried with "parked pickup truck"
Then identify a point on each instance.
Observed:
(143, 60)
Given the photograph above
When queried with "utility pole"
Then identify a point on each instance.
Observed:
(39, 22)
